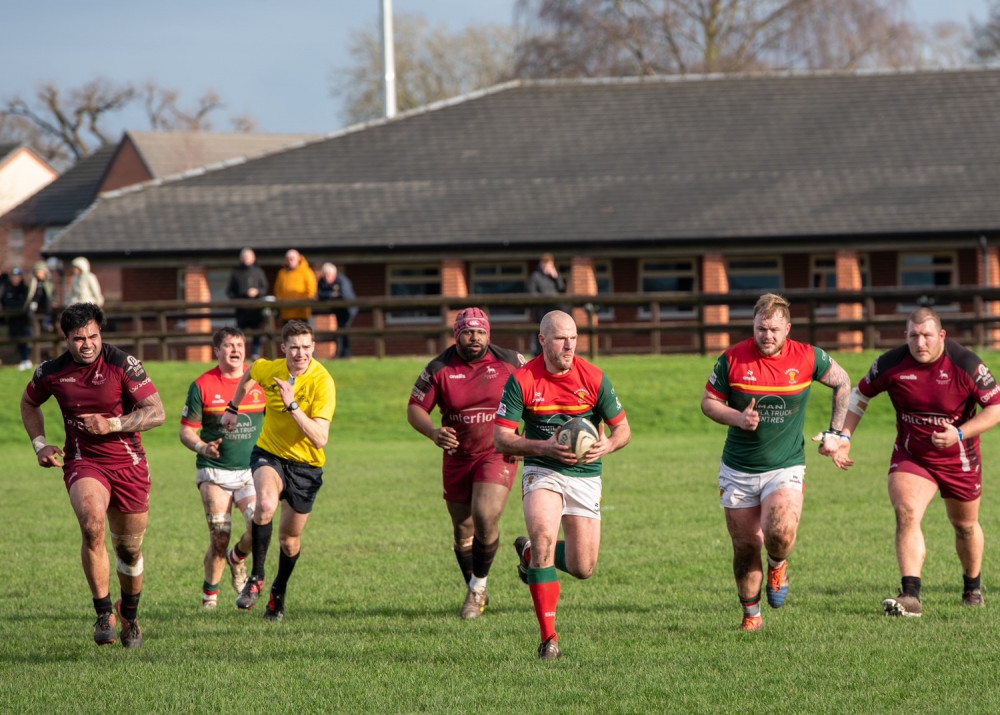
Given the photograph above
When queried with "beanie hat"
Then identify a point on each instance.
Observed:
(472, 319)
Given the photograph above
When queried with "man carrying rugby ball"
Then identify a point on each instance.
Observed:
(559, 489)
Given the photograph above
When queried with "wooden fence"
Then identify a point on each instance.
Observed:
(158, 329)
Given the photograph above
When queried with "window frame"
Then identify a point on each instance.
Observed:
(430, 315)
(951, 269)
(504, 314)
(830, 309)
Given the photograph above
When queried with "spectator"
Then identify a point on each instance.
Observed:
(296, 281)
(334, 285)
(545, 280)
(15, 299)
(248, 282)
(40, 296)
(85, 287)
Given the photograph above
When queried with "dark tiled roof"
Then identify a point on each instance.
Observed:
(6, 150)
(169, 153)
(565, 163)
(60, 202)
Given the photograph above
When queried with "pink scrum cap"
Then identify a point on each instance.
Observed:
(472, 319)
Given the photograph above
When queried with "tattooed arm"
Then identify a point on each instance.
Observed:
(147, 414)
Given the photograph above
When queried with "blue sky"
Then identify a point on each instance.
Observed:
(268, 59)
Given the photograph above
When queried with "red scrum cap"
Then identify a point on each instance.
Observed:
(472, 319)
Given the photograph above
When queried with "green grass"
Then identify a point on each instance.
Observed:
(372, 619)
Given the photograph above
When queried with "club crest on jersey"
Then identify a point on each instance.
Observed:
(793, 374)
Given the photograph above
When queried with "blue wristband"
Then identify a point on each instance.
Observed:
(961, 437)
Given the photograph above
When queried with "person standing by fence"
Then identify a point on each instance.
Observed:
(334, 285)
(248, 282)
(85, 288)
(296, 281)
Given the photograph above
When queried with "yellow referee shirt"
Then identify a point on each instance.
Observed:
(317, 397)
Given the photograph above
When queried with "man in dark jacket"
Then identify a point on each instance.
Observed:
(15, 298)
(248, 281)
(334, 285)
(545, 280)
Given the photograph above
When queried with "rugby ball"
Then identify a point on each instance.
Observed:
(577, 433)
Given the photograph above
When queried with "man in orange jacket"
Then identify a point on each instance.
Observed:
(295, 281)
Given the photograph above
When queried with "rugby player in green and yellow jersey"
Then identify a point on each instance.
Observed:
(558, 489)
(760, 389)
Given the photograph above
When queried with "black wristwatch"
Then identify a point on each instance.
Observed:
(292, 406)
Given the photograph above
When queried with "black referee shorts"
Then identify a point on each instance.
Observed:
(300, 481)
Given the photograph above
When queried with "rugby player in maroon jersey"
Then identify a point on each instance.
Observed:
(944, 397)
(465, 382)
(106, 399)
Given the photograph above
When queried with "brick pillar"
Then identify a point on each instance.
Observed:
(582, 282)
(196, 291)
(715, 280)
(991, 266)
(455, 284)
(849, 279)
(325, 322)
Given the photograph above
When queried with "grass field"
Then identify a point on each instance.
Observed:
(372, 622)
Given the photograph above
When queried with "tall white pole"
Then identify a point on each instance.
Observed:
(388, 60)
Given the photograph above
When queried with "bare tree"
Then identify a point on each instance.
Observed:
(67, 126)
(987, 36)
(165, 114)
(431, 65)
(587, 38)
(73, 123)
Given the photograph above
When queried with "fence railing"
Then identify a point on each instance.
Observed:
(165, 327)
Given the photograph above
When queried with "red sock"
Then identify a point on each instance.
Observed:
(544, 587)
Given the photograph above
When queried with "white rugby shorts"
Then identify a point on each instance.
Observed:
(744, 490)
(581, 495)
(239, 482)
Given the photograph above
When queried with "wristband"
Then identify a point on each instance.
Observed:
(961, 436)
(39, 443)
(835, 433)
(200, 448)
(232, 409)
(115, 424)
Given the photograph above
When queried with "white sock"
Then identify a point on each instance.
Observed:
(476, 583)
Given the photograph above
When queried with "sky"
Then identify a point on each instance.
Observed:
(270, 60)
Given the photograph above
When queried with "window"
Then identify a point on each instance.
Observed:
(674, 275)
(416, 281)
(927, 270)
(760, 275)
(823, 276)
(15, 247)
(500, 279)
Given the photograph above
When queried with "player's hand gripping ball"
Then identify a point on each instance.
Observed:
(577, 433)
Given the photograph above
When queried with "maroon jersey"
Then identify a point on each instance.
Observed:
(110, 386)
(467, 393)
(928, 396)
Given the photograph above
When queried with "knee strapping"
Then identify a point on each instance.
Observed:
(133, 570)
(220, 523)
(128, 549)
(463, 545)
(248, 515)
